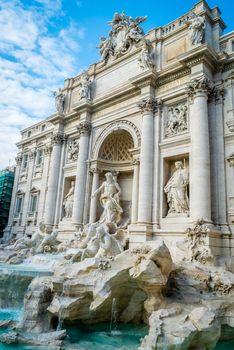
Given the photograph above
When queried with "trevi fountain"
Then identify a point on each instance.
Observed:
(121, 227)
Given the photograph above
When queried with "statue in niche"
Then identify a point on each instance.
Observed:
(109, 198)
(85, 87)
(69, 200)
(59, 101)
(145, 60)
(176, 190)
(73, 150)
(177, 120)
(197, 27)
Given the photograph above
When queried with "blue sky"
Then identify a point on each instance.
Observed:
(42, 42)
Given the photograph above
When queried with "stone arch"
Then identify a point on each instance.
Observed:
(119, 125)
(116, 146)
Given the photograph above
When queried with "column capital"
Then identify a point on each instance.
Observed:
(19, 158)
(148, 104)
(199, 85)
(57, 138)
(84, 128)
(217, 94)
(135, 161)
(47, 149)
(94, 170)
(230, 160)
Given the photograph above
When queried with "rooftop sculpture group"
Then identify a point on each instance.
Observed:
(124, 33)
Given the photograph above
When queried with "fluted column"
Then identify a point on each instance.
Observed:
(156, 188)
(26, 204)
(218, 95)
(52, 188)
(18, 160)
(135, 190)
(147, 107)
(84, 129)
(93, 201)
(200, 192)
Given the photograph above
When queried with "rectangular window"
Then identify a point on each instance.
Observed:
(29, 133)
(25, 162)
(232, 45)
(39, 156)
(43, 127)
(18, 205)
(33, 204)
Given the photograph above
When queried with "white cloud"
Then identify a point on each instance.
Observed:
(33, 62)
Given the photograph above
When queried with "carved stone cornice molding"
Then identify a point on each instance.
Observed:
(84, 128)
(199, 85)
(19, 158)
(148, 104)
(230, 160)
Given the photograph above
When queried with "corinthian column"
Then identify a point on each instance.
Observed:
(147, 107)
(84, 129)
(93, 203)
(52, 188)
(200, 192)
(135, 191)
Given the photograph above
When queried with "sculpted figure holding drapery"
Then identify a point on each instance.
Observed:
(176, 190)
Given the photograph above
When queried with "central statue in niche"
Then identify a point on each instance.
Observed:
(109, 199)
(104, 238)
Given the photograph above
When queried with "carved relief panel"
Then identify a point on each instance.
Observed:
(176, 119)
(72, 150)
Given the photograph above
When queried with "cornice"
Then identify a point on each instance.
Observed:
(171, 75)
(203, 54)
(146, 78)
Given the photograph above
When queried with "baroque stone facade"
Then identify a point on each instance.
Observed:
(157, 112)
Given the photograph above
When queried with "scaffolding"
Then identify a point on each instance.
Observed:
(6, 186)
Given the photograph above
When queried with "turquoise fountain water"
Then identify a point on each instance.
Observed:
(111, 336)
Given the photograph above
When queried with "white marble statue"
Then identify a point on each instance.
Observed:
(59, 101)
(30, 242)
(85, 87)
(106, 48)
(176, 190)
(197, 27)
(125, 31)
(49, 242)
(98, 243)
(69, 200)
(145, 60)
(109, 198)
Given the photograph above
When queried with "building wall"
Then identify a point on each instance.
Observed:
(118, 87)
